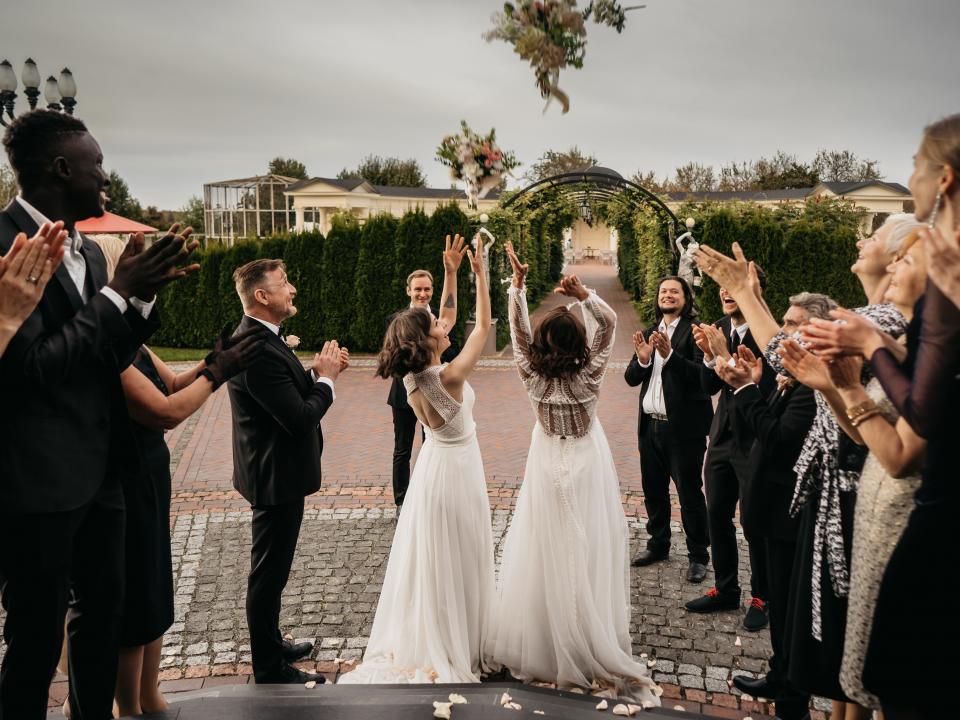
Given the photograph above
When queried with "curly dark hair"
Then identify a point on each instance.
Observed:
(559, 347)
(406, 347)
(36, 137)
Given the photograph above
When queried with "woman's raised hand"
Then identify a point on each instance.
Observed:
(476, 259)
(453, 253)
(734, 274)
(943, 262)
(571, 286)
(519, 269)
(847, 334)
(806, 367)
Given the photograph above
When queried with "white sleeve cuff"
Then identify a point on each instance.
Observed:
(115, 297)
(710, 363)
(326, 381)
(646, 364)
(142, 306)
(667, 358)
(742, 387)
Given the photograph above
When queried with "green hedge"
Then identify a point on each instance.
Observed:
(808, 247)
(350, 280)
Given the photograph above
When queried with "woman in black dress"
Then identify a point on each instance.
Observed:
(916, 615)
(158, 400)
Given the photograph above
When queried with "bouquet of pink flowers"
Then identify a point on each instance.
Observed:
(476, 159)
(551, 35)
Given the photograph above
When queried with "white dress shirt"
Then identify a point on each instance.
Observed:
(275, 329)
(653, 402)
(77, 267)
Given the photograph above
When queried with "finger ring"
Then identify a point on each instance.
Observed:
(33, 280)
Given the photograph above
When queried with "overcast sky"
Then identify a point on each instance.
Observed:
(185, 92)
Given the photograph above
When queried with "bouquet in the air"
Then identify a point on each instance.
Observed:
(551, 35)
(476, 159)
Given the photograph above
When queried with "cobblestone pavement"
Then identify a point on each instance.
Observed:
(349, 524)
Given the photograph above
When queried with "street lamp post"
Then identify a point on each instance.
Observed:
(60, 94)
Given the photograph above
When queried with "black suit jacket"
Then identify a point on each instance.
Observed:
(724, 421)
(397, 397)
(277, 441)
(64, 428)
(779, 425)
(688, 406)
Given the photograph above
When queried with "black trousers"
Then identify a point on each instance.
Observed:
(276, 529)
(792, 703)
(404, 430)
(49, 563)
(665, 454)
(726, 477)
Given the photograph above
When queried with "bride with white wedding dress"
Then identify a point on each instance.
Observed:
(433, 617)
(563, 614)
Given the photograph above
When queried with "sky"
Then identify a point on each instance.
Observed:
(179, 93)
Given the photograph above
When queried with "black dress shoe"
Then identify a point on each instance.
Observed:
(758, 687)
(288, 675)
(696, 572)
(649, 557)
(713, 601)
(757, 617)
(294, 651)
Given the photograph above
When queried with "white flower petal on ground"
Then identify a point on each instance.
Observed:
(513, 706)
(505, 699)
(681, 708)
(602, 705)
(651, 663)
(539, 712)
(310, 684)
(737, 642)
(745, 696)
(442, 710)
(634, 709)
(622, 709)
(457, 699)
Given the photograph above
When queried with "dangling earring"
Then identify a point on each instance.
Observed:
(936, 209)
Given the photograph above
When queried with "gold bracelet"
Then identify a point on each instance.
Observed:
(859, 409)
(864, 416)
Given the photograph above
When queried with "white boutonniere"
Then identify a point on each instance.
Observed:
(292, 341)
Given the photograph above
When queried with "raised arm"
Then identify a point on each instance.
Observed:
(605, 319)
(739, 277)
(452, 256)
(521, 334)
(456, 373)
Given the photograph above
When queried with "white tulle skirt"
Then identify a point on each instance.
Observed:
(563, 614)
(433, 618)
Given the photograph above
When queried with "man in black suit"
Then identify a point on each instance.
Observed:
(672, 427)
(277, 442)
(778, 424)
(64, 430)
(727, 475)
(420, 292)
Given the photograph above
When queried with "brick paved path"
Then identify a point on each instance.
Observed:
(349, 525)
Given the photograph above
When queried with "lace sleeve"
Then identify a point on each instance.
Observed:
(599, 313)
(520, 333)
(429, 383)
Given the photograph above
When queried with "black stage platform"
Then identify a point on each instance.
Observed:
(396, 702)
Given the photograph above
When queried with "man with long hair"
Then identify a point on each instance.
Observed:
(674, 419)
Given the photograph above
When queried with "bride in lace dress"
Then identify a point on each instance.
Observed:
(563, 614)
(433, 618)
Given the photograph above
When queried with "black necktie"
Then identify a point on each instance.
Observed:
(734, 341)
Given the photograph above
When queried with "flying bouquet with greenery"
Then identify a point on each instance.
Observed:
(475, 159)
(552, 35)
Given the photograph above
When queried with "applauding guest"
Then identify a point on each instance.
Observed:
(277, 442)
(61, 513)
(674, 420)
(158, 400)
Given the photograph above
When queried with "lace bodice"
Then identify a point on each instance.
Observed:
(564, 406)
(458, 425)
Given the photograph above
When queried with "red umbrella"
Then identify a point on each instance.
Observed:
(109, 223)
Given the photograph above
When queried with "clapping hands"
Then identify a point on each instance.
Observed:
(25, 271)
(329, 361)
(741, 370)
(141, 273)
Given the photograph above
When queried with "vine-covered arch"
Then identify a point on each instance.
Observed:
(597, 184)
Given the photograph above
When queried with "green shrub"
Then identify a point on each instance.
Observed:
(373, 280)
(341, 249)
